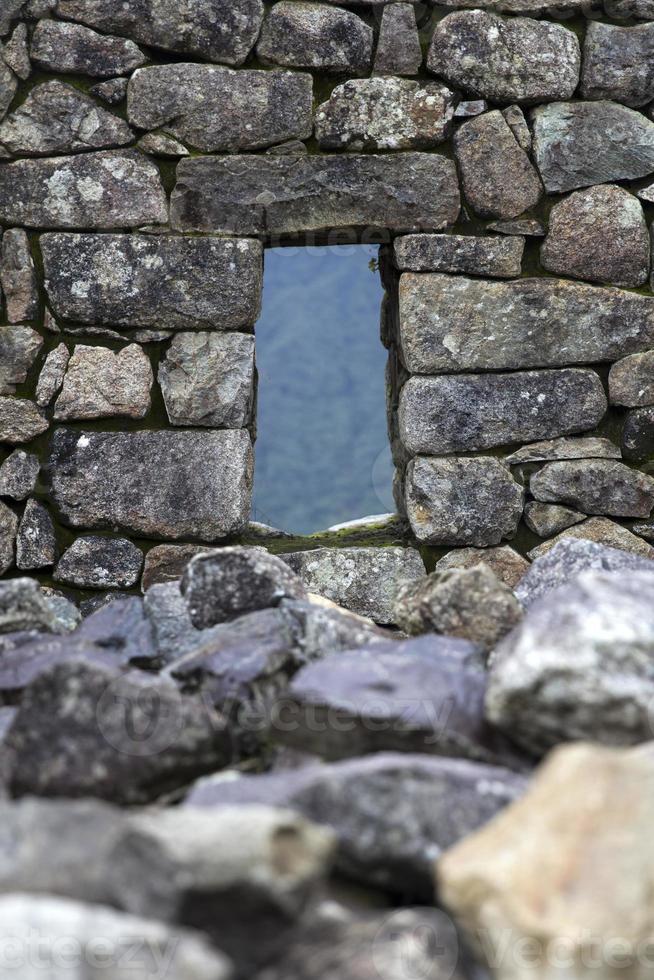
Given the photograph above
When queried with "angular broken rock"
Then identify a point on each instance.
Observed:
(74, 49)
(94, 190)
(18, 474)
(52, 375)
(515, 118)
(101, 383)
(228, 582)
(422, 806)
(112, 92)
(8, 527)
(57, 118)
(469, 603)
(598, 529)
(363, 580)
(16, 52)
(496, 257)
(24, 607)
(616, 61)
(514, 60)
(162, 145)
(577, 667)
(595, 486)
(217, 30)
(505, 562)
(309, 35)
(446, 323)
(599, 234)
(398, 50)
(169, 282)
(526, 226)
(100, 563)
(163, 484)
(498, 178)
(18, 277)
(454, 414)
(10, 9)
(36, 542)
(277, 195)
(462, 501)
(216, 109)
(638, 435)
(589, 447)
(167, 563)
(546, 520)
(19, 347)
(8, 87)
(577, 144)
(207, 379)
(385, 114)
(631, 381)
(20, 421)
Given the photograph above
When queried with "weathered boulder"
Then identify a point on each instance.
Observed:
(73, 49)
(18, 475)
(24, 607)
(398, 50)
(8, 527)
(579, 666)
(598, 529)
(462, 501)
(20, 421)
(164, 484)
(505, 562)
(217, 30)
(167, 563)
(451, 414)
(100, 563)
(631, 381)
(638, 435)
(469, 603)
(18, 277)
(36, 542)
(588, 447)
(52, 375)
(94, 190)
(228, 582)
(567, 560)
(289, 194)
(599, 234)
(446, 323)
(154, 281)
(596, 486)
(577, 144)
(219, 110)
(19, 347)
(207, 379)
(309, 35)
(57, 118)
(546, 520)
(422, 806)
(498, 178)
(385, 114)
(363, 580)
(496, 257)
(100, 383)
(616, 63)
(512, 60)
(16, 52)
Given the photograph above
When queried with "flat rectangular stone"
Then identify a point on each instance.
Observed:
(163, 282)
(452, 323)
(92, 190)
(284, 195)
(162, 484)
(491, 256)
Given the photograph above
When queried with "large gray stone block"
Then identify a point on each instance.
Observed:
(74, 49)
(595, 486)
(313, 35)
(618, 63)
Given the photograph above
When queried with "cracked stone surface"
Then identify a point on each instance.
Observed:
(100, 383)
(313, 35)
(74, 49)
(52, 375)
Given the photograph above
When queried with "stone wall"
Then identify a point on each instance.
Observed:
(503, 157)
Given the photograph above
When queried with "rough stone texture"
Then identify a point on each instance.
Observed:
(546, 520)
(537, 872)
(57, 118)
(101, 383)
(112, 92)
(9, 10)
(631, 381)
(526, 226)
(289, 194)
(16, 52)
(625, 9)
(169, 485)
(100, 563)
(18, 277)
(595, 486)
(499, 180)
(599, 234)
(8, 527)
(20, 421)
(616, 63)
(496, 257)
(462, 501)
(219, 110)
(515, 60)
(363, 580)
(8, 87)
(478, 411)
(167, 563)
(469, 603)
(162, 145)
(579, 665)
(398, 49)
(590, 447)
(469, 108)
(217, 30)
(24, 607)
(73, 49)
(18, 475)
(638, 435)
(422, 806)
(577, 144)
(385, 114)
(602, 531)
(153, 281)
(52, 375)
(446, 322)
(95, 190)
(568, 559)
(309, 35)
(208, 379)
(505, 562)
(515, 118)
(19, 347)
(36, 543)
(229, 582)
